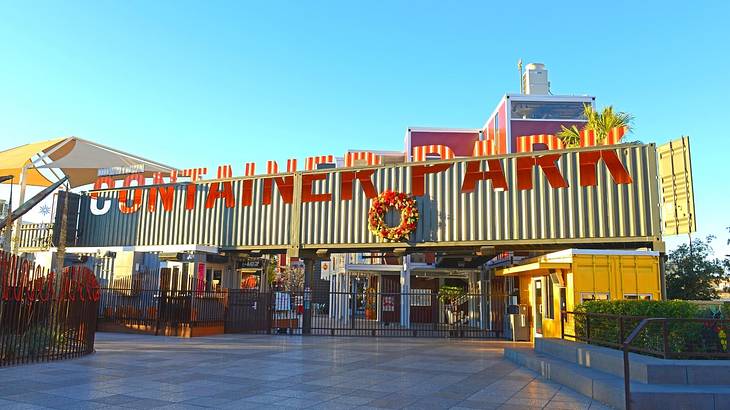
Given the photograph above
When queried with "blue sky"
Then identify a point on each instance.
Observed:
(203, 83)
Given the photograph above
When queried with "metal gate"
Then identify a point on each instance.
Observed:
(248, 311)
(380, 314)
(412, 314)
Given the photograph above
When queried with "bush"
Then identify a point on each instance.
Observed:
(642, 308)
(683, 336)
(38, 341)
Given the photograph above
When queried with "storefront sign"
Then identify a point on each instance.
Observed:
(553, 197)
(477, 170)
(122, 170)
(251, 263)
(201, 277)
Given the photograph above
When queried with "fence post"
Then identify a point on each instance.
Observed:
(665, 337)
(271, 311)
(627, 376)
(436, 312)
(307, 295)
(563, 316)
(160, 305)
(621, 337)
(353, 308)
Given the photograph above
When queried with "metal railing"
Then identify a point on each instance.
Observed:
(154, 311)
(44, 316)
(399, 314)
(35, 236)
(667, 338)
(295, 312)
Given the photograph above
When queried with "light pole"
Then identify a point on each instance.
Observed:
(8, 225)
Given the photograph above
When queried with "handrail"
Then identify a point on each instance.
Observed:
(625, 347)
(659, 338)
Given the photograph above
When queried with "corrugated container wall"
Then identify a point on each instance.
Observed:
(608, 211)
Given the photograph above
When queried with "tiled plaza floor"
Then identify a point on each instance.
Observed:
(252, 372)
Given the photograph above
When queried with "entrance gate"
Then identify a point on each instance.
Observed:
(414, 314)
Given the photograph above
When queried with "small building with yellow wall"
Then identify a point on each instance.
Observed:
(559, 281)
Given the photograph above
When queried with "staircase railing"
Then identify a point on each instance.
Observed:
(667, 338)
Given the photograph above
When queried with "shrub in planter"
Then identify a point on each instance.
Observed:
(36, 341)
(683, 336)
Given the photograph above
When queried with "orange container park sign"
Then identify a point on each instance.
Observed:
(130, 199)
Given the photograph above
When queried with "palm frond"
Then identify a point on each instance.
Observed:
(602, 123)
(570, 137)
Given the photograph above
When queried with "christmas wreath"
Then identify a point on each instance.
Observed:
(405, 204)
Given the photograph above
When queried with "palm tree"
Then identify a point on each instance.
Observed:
(600, 123)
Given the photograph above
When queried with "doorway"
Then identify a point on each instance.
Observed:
(537, 296)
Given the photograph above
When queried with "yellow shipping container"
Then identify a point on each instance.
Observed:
(561, 280)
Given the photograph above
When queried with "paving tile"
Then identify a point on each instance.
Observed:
(599, 406)
(514, 401)
(567, 405)
(182, 406)
(299, 403)
(79, 394)
(115, 399)
(289, 393)
(81, 405)
(22, 406)
(243, 405)
(472, 404)
(41, 399)
(146, 404)
(433, 403)
(351, 400)
(265, 398)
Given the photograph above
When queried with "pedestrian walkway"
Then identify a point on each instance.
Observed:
(266, 372)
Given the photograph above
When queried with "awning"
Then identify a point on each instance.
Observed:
(13, 160)
(76, 158)
(534, 268)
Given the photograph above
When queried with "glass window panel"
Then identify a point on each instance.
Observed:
(547, 110)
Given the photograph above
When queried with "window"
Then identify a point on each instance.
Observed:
(586, 296)
(547, 110)
(326, 165)
(639, 296)
(549, 304)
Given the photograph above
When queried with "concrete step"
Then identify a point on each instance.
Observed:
(644, 369)
(609, 389)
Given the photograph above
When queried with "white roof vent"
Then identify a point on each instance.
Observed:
(535, 79)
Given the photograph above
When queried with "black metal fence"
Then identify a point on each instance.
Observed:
(294, 312)
(161, 311)
(44, 316)
(400, 314)
(669, 338)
